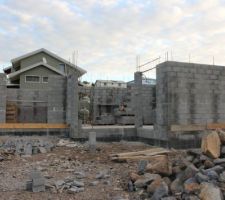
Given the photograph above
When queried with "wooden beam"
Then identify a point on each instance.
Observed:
(197, 127)
(212, 126)
(32, 126)
(138, 153)
(190, 127)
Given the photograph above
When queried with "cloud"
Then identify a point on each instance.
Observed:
(109, 34)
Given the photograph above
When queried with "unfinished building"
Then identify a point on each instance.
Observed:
(187, 98)
(112, 105)
(41, 92)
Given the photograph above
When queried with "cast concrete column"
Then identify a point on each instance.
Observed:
(72, 105)
(3, 94)
(138, 99)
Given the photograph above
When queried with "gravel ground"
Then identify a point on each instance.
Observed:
(62, 163)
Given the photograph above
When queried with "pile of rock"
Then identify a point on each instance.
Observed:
(190, 175)
(27, 146)
(76, 183)
(69, 184)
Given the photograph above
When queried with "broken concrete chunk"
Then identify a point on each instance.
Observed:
(210, 192)
(78, 183)
(154, 185)
(211, 145)
(80, 175)
(134, 176)
(75, 189)
(176, 186)
(152, 176)
(160, 192)
(219, 161)
(208, 164)
(42, 150)
(201, 177)
(169, 198)
(101, 175)
(189, 172)
(189, 197)
(160, 165)
(191, 186)
(93, 183)
(144, 181)
(59, 183)
(212, 175)
(217, 169)
(222, 177)
(141, 183)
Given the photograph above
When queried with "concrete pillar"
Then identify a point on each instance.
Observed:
(92, 142)
(3, 94)
(72, 102)
(138, 99)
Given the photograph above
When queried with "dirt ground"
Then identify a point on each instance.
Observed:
(62, 163)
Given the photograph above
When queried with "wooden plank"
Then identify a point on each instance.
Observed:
(32, 126)
(197, 127)
(138, 153)
(212, 126)
(190, 127)
(120, 159)
(140, 157)
(11, 113)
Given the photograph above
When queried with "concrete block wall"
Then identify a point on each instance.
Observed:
(57, 99)
(2, 98)
(188, 93)
(40, 105)
(31, 104)
(148, 103)
(85, 91)
(106, 101)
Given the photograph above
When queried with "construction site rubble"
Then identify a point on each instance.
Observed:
(68, 173)
(30, 146)
(193, 174)
(68, 143)
(76, 182)
(24, 146)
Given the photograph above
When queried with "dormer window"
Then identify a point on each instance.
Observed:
(62, 67)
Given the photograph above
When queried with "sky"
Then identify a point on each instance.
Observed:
(109, 34)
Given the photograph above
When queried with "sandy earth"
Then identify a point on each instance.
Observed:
(61, 163)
